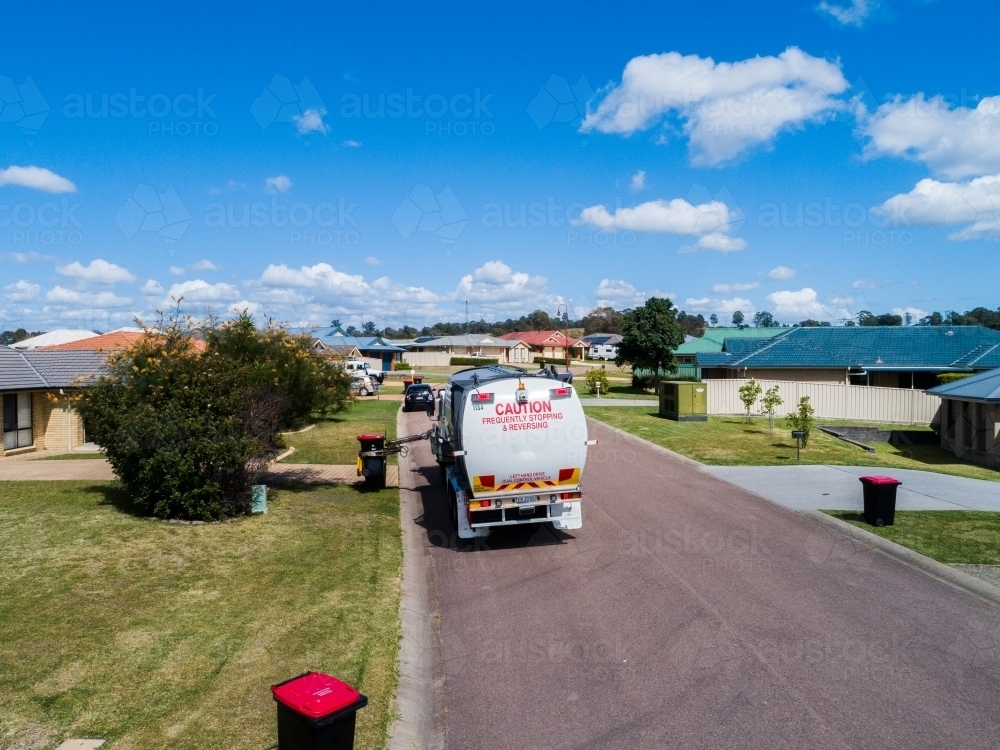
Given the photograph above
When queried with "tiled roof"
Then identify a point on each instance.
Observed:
(58, 336)
(713, 338)
(107, 342)
(39, 369)
(982, 387)
(470, 339)
(870, 347)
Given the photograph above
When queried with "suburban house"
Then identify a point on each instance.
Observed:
(337, 351)
(380, 353)
(36, 387)
(602, 345)
(970, 417)
(549, 344)
(888, 356)
(52, 338)
(109, 342)
(429, 351)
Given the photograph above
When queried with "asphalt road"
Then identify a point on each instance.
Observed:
(690, 613)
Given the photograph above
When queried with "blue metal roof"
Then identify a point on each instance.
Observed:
(982, 387)
(364, 343)
(938, 348)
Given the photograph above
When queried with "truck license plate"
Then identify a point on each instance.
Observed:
(525, 500)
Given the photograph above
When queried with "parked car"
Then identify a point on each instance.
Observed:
(364, 384)
(419, 396)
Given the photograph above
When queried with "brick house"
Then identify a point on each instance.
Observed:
(36, 386)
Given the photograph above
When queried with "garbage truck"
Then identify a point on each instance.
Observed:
(512, 446)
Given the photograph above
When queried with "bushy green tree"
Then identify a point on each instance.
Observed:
(650, 334)
(188, 428)
(597, 380)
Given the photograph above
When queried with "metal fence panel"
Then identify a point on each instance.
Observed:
(833, 401)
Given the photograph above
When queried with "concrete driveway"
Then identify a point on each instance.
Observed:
(690, 613)
(838, 488)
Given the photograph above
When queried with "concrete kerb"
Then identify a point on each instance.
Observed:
(419, 702)
(944, 573)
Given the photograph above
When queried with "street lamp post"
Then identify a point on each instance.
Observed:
(565, 316)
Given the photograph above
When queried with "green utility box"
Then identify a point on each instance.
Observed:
(684, 401)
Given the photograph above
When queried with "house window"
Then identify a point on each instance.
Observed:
(17, 421)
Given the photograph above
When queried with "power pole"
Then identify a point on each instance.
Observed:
(565, 317)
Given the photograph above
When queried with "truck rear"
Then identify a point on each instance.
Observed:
(512, 447)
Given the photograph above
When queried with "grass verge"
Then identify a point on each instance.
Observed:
(71, 456)
(954, 537)
(616, 391)
(730, 441)
(335, 439)
(165, 635)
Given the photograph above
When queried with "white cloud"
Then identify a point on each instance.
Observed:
(971, 208)
(800, 304)
(915, 313)
(152, 288)
(99, 271)
(709, 305)
(176, 271)
(638, 181)
(61, 295)
(200, 291)
(234, 186)
(710, 221)
(781, 273)
(22, 291)
(863, 284)
(730, 288)
(311, 121)
(372, 260)
(322, 278)
(715, 242)
(854, 14)
(36, 178)
(352, 144)
(724, 108)
(954, 142)
(204, 265)
(279, 184)
(618, 293)
(495, 283)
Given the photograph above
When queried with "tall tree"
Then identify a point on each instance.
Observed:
(650, 334)
(602, 320)
(738, 319)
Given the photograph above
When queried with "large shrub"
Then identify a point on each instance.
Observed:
(597, 381)
(186, 431)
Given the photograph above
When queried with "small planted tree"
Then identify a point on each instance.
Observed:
(802, 419)
(597, 381)
(749, 393)
(771, 401)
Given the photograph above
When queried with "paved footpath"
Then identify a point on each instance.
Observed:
(99, 469)
(838, 487)
(689, 613)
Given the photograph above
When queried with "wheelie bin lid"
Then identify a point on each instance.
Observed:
(880, 480)
(316, 695)
(366, 438)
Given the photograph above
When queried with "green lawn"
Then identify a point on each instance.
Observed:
(334, 440)
(166, 635)
(729, 441)
(949, 536)
(618, 390)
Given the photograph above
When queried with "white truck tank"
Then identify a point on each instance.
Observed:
(514, 446)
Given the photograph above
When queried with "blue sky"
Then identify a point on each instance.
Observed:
(391, 162)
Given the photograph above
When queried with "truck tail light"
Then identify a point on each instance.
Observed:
(481, 504)
(482, 398)
(560, 392)
(570, 495)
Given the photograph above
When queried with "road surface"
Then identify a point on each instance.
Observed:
(690, 613)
